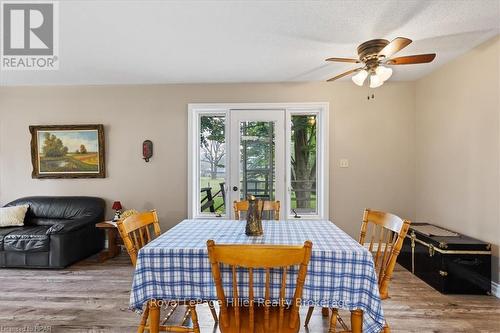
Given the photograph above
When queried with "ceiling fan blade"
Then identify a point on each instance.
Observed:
(412, 59)
(396, 45)
(345, 74)
(343, 60)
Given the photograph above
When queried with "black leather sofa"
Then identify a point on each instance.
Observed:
(57, 232)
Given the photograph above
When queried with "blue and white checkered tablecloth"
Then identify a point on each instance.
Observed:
(341, 272)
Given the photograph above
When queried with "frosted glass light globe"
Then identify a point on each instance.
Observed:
(375, 81)
(360, 78)
(384, 73)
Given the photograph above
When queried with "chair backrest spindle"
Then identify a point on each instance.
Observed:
(236, 298)
(267, 297)
(282, 299)
(251, 299)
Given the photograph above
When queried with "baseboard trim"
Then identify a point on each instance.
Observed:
(495, 289)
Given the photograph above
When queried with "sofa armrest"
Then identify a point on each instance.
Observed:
(66, 226)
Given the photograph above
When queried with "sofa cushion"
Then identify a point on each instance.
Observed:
(27, 239)
(4, 232)
(13, 216)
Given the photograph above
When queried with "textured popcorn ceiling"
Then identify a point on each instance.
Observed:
(121, 42)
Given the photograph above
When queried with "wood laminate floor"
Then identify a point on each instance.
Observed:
(93, 297)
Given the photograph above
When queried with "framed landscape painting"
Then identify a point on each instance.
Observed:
(68, 151)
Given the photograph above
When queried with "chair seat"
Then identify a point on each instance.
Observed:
(259, 321)
(27, 239)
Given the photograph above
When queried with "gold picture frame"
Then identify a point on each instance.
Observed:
(68, 151)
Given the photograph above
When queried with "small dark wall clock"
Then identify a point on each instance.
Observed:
(147, 150)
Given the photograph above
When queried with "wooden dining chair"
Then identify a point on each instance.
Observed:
(270, 206)
(383, 234)
(238, 316)
(136, 231)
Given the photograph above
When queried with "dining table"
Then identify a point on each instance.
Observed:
(341, 272)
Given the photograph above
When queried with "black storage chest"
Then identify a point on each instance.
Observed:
(450, 262)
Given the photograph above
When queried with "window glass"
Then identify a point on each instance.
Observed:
(257, 160)
(303, 165)
(212, 166)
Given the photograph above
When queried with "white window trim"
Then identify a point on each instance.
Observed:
(320, 108)
(322, 187)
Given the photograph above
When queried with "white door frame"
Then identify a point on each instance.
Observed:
(321, 109)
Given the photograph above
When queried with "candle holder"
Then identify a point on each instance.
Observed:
(254, 217)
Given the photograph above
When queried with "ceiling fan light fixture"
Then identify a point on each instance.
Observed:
(375, 81)
(360, 78)
(373, 55)
(384, 73)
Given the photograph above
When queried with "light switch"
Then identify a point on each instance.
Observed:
(344, 163)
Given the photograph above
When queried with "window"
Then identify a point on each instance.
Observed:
(272, 151)
(303, 164)
(212, 164)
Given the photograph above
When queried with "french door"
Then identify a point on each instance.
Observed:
(270, 151)
(257, 154)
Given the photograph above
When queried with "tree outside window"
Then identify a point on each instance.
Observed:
(303, 164)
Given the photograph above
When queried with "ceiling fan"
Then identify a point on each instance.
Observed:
(374, 55)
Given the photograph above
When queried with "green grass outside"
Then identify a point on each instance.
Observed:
(312, 201)
(214, 184)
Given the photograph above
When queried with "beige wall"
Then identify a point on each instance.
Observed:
(377, 136)
(458, 146)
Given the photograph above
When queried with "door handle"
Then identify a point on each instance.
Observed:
(235, 188)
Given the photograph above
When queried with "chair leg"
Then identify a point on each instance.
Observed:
(154, 318)
(333, 321)
(308, 316)
(194, 319)
(144, 320)
(357, 321)
(325, 312)
(212, 309)
(386, 328)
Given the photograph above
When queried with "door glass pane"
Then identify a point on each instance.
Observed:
(212, 167)
(257, 160)
(303, 164)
